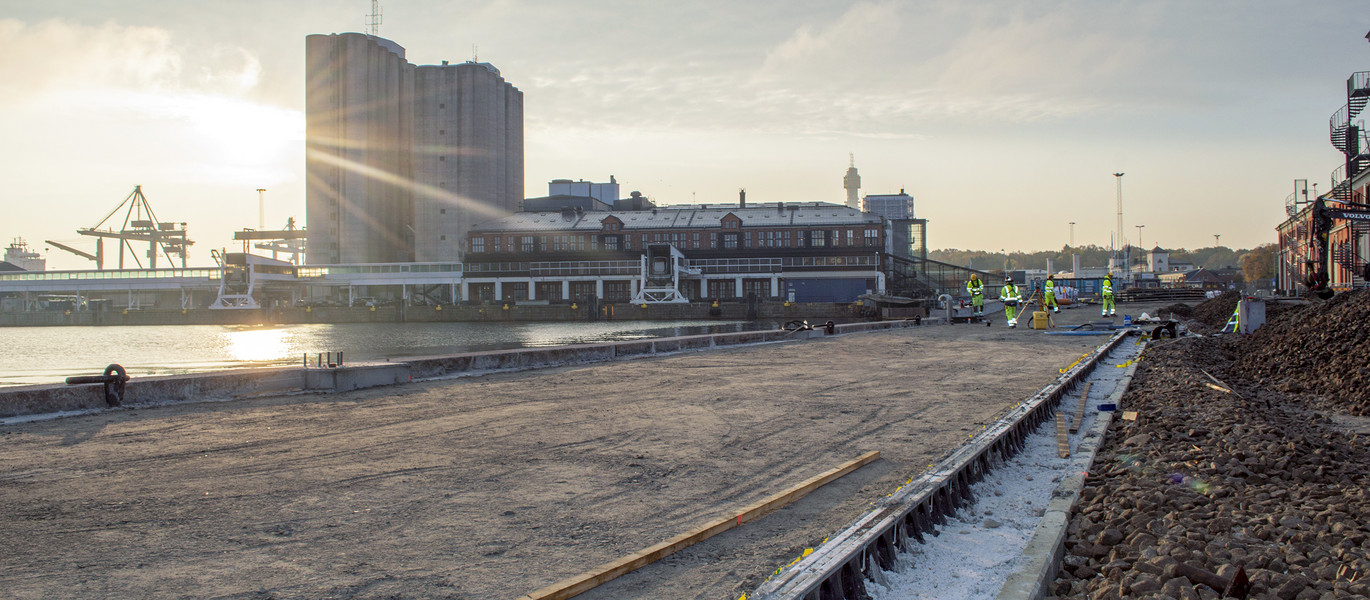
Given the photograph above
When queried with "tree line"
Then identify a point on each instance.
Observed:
(1256, 263)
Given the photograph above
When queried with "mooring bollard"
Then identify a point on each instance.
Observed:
(830, 328)
(114, 379)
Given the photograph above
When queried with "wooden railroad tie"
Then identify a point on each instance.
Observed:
(1062, 435)
(573, 586)
(1080, 410)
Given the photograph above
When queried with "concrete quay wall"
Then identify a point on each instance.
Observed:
(733, 311)
(238, 383)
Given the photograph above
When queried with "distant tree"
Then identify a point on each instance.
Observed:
(1259, 263)
(1090, 256)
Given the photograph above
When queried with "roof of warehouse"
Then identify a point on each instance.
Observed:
(691, 216)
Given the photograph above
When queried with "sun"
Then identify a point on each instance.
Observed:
(244, 134)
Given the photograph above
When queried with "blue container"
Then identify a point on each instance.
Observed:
(1110, 407)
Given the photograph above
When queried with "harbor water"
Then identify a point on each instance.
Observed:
(37, 355)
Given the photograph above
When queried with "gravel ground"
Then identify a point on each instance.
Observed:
(1246, 455)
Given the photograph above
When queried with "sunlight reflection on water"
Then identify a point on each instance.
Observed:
(49, 354)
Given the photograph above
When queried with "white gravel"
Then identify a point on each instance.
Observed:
(973, 554)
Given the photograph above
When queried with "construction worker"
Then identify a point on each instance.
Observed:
(976, 289)
(1049, 293)
(1009, 295)
(1107, 293)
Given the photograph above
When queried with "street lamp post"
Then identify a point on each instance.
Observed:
(1121, 257)
(1140, 247)
(1215, 239)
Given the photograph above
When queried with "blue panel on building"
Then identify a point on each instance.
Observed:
(827, 290)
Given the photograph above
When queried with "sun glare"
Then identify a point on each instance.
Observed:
(258, 345)
(242, 132)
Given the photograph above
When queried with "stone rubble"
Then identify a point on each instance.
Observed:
(1242, 455)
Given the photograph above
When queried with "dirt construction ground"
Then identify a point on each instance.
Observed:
(498, 485)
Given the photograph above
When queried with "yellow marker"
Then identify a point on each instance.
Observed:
(573, 307)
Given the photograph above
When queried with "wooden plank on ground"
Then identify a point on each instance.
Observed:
(1080, 410)
(1062, 435)
(588, 580)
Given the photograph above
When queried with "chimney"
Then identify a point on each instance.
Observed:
(742, 198)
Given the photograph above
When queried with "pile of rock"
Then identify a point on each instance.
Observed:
(1212, 477)
(1212, 314)
(1178, 310)
(1323, 348)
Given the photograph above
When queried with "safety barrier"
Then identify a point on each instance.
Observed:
(840, 567)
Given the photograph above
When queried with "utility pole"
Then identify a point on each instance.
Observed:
(261, 209)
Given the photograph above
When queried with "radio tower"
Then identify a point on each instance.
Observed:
(852, 182)
(373, 20)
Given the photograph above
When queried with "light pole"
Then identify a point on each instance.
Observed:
(1140, 248)
(261, 209)
(1120, 256)
(1072, 234)
(1215, 239)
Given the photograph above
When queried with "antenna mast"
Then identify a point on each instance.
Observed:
(373, 20)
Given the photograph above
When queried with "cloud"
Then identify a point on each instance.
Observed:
(58, 56)
(55, 54)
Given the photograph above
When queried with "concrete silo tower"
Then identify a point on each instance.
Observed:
(852, 182)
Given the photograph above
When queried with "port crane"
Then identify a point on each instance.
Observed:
(140, 224)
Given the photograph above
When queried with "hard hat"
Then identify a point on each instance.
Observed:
(1051, 276)
(973, 276)
(1108, 276)
(1008, 279)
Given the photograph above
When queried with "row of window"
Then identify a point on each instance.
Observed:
(816, 238)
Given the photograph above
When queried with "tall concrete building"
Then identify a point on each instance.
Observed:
(890, 206)
(468, 137)
(403, 159)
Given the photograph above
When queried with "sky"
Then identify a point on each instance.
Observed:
(1005, 119)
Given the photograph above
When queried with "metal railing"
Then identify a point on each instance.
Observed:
(197, 273)
(584, 268)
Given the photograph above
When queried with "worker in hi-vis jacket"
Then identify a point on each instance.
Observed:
(1107, 293)
(976, 289)
(1009, 295)
(1049, 293)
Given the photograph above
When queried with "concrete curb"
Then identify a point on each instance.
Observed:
(1046, 548)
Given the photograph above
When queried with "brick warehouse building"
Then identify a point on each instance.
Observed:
(1327, 236)
(806, 252)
